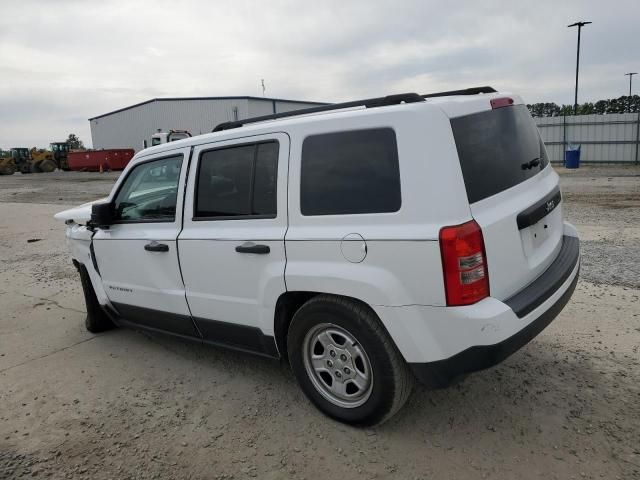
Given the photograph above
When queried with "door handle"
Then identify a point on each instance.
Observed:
(156, 247)
(250, 247)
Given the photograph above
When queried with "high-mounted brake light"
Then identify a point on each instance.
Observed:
(501, 102)
(464, 264)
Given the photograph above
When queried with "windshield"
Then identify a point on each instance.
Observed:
(498, 149)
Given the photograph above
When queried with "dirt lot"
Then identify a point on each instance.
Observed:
(124, 404)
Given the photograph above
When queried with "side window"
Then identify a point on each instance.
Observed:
(266, 179)
(350, 173)
(150, 192)
(237, 182)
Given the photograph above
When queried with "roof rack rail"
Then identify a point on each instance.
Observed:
(466, 91)
(368, 103)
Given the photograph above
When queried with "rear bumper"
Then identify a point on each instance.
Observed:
(538, 304)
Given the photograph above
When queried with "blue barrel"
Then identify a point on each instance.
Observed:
(572, 158)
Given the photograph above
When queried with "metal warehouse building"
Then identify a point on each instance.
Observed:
(128, 127)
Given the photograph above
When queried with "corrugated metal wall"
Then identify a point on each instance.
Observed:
(288, 106)
(267, 106)
(603, 138)
(257, 108)
(128, 128)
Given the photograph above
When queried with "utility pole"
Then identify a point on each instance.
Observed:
(631, 74)
(579, 25)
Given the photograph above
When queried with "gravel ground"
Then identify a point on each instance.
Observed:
(124, 404)
(605, 202)
(62, 188)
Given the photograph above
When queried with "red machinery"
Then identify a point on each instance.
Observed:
(95, 160)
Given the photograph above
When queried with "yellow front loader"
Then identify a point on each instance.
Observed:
(41, 161)
(7, 166)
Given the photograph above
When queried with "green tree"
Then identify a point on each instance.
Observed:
(566, 110)
(600, 107)
(586, 109)
(544, 109)
(74, 142)
(616, 105)
(622, 104)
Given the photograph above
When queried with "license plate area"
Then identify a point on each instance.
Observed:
(539, 233)
(540, 239)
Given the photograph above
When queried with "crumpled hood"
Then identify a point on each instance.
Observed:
(79, 214)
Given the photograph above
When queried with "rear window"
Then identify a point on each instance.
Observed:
(498, 149)
(349, 173)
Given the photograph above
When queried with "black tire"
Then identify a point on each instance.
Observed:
(392, 379)
(97, 320)
(47, 166)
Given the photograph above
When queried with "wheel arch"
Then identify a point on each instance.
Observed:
(289, 303)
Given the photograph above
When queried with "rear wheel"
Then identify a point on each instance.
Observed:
(345, 362)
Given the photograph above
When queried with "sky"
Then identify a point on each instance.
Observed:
(64, 61)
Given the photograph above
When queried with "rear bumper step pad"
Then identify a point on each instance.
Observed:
(536, 293)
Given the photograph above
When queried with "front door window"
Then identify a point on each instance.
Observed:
(150, 192)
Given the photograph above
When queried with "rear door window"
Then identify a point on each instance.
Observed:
(498, 149)
(238, 182)
(348, 173)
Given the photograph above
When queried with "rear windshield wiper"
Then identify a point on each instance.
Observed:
(529, 165)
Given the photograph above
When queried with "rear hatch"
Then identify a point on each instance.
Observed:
(512, 191)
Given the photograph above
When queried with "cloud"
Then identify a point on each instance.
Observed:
(65, 61)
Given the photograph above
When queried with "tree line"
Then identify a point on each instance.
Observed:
(622, 104)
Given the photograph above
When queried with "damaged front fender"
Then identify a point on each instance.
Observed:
(79, 239)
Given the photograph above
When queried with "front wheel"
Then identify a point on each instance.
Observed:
(345, 361)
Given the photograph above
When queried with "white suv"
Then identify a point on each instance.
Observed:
(369, 243)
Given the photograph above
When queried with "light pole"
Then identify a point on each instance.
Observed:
(579, 25)
(631, 74)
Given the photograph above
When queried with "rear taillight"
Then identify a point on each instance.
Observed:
(464, 264)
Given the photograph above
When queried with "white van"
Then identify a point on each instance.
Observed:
(368, 243)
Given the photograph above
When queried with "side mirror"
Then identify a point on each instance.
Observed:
(102, 214)
(144, 144)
